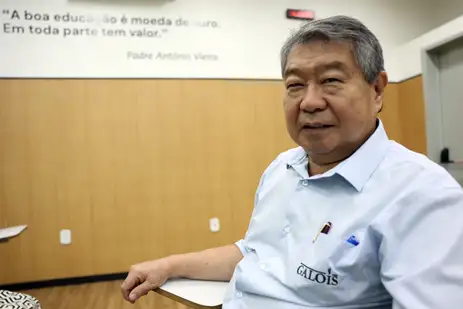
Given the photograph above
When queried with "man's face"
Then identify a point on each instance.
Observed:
(330, 109)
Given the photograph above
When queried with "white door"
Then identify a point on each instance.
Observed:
(451, 96)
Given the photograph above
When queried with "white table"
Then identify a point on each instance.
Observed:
(196, 294)
(10, 232)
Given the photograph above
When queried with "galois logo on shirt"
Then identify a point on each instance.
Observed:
(318, 276)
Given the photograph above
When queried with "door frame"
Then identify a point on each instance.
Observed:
(432, 102)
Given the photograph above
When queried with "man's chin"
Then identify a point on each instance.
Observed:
(317, 146)
(316, 150)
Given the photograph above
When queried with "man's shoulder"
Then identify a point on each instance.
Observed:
(403, 160)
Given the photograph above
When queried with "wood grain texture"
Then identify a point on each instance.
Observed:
(135, 168)
(412, 114)
(390, 115)
(102, 295)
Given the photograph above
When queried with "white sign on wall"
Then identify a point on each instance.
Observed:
(172, 40)
(185, 38)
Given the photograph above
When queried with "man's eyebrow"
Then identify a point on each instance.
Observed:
(334, 65)
(293, 70)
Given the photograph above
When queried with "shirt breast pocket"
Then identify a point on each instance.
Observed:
(322, 271)
(331, 250)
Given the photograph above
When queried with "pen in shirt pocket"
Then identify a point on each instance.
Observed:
(324, 230)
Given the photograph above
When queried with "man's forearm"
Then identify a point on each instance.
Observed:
(212, 264)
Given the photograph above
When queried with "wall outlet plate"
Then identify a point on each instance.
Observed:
(65, 237)
(214, 225)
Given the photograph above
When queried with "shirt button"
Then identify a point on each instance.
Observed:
(263, 266)
(305, 182)
(239, 294)
(287, 230)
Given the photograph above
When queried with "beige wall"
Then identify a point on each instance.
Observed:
(412, 114)
(135, 168)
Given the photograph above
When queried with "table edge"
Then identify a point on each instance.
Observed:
(183, 301)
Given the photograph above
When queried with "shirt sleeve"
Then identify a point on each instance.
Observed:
(421, 253)
(241, 244)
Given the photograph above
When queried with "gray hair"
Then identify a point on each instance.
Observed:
(366, 47)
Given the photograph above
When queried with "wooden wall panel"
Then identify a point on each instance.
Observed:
(412, 114)
(390, 115)
(135, 168)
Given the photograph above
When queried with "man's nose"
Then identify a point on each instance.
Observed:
(313, 100)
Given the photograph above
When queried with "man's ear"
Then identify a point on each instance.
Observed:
(380, 85)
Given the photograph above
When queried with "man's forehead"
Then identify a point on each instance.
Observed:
(298, 67)
(320, 55)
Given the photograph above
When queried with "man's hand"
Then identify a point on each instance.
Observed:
(145, 277)
(211, 264)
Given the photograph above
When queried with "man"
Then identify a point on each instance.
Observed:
(350, 219)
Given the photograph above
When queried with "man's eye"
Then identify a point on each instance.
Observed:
(295, 86)
(331, 80)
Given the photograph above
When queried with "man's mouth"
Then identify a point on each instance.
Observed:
(316, 126)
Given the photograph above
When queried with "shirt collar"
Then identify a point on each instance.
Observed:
(356, 169)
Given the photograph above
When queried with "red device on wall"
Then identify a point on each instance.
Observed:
(300, 14)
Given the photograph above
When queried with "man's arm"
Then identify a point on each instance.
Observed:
(421, 253)
(212, 264)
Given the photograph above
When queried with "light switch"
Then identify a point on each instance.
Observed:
(214, 225)
(65, 237)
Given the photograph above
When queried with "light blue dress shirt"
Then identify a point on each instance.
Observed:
(396, 237)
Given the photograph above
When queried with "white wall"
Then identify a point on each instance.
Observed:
(443, 11)
(248, 41)
(394, 22)
(408, 56)
(444, 22)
